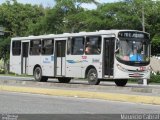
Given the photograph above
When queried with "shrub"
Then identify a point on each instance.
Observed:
(155, 78)
(2, 71)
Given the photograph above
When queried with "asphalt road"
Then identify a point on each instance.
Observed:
(24, 103)
(15, 78)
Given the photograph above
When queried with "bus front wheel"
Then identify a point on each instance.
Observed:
(92, 77)
(38, 75)
(64, 80)
(121, 82)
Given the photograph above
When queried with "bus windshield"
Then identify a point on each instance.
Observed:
(133, 50)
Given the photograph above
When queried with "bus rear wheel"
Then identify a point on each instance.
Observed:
(64, 80)
(92, 77)
(121, 82)
(38, 75)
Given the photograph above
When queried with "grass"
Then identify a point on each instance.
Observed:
(16, 75)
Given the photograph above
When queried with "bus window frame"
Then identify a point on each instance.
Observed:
(20, 48)
(42, 46)
(100, 38)
(39, 47)
(69, 45)
(72, 46)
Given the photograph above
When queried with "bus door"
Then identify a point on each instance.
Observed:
(24, 63)
(108, 56)
(60, 57)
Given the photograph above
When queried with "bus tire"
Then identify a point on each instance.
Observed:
(92, 77)
(121, 82)
(44, 79)
(64, 79)
(38, 75)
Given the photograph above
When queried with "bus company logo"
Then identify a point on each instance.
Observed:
(76, 61)
(46, 60)
(136, 74)
(95, 60)
(84, 57)
(73, 61)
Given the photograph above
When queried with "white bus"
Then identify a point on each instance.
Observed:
(102, 55)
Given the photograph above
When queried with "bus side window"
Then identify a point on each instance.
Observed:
(16, 48)
(93, 45)
(78, 46)
(47, 46)
(35, 47)
(69, 46)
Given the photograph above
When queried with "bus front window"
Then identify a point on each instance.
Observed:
(133, 50)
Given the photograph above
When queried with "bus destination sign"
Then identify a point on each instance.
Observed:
(129, 34)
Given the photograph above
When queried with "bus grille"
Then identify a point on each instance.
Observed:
(137, 75)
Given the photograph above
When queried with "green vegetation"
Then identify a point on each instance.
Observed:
(2, 71)
(69, 16)
(155, 78)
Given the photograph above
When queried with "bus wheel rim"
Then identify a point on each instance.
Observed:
(92, 77)
(38, 74)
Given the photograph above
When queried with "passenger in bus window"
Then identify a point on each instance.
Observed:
(134, 56)
(88, 48)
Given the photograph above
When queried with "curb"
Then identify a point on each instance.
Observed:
(85, 94)
(73, 85)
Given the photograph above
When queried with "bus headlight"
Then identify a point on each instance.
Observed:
(121, 68)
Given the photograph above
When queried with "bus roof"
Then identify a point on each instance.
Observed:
(65, 35)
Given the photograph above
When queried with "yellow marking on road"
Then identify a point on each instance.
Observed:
(85, 94)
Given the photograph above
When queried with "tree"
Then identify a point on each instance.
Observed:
(74, 15)
(155, 44)
(16, 24)
(4, 48)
